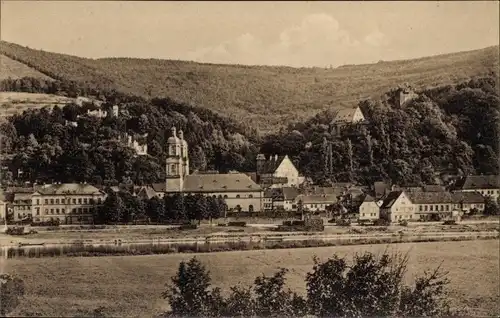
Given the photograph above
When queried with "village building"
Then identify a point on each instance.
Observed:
(344, 117)
(315, 202)
(239, 191)
(369, 209)
(486, 185)
(277, 171)
(433, 205)
(283, 199)
(397, 206)
(405, 95)
(70, 203)
(465, 202)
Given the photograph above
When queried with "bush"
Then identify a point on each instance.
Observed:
(298, 222)
(237, 223)
(16, 230)
(343, 222)
(403, 223)
(188, 227)
(370, 286)
(381, 222)
(449, 222)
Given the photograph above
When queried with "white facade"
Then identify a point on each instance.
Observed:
(287, 169)
(369, 211)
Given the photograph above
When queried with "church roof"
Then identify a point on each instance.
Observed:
(270, 165)
(230, 182)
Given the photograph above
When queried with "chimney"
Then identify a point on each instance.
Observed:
(275, 157)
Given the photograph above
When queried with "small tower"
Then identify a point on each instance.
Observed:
(184, 153)
(261, 160)
(174, 164)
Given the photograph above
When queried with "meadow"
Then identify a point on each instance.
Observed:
(131, 285)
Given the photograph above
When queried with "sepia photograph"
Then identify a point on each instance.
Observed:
(249, 159)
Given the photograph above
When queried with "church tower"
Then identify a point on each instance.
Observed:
(184, 154)
(175, 166)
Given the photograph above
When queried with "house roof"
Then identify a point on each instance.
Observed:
(270, 165)
(433, 188)
(380, 187)
(422, 197)
(68, 188)
(148, 191)
(315, 198)
(468, 197)
(368, 198)
(345, 115)
(479, 182)
(390, 199)
(159, 186)
(230, 182)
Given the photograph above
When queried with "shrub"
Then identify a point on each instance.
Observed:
(403, 223)
(188, 227)
(16, 230)
(343, 222)
(382, 222)
(237, 223)
(11, 291)
(371, 286)
(449, 222)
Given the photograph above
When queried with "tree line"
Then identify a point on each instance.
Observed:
(123, 207)
(369, 286)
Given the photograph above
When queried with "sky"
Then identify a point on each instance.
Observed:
(299, 34)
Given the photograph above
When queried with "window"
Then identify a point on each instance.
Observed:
(250, 196)
(74, 201)
(442, 207)
(421, 208)
(80, 210)
(85, 201)
(447, 207)
(46, 201)
(51, 211)
(63, 211)
(79, 200)
(57, 201)
(63, 201)
(37, 211)
(46, 211)
(51, 201)
(437, 207)
(225, 196)
(37, 201)
(57, 211)
(73, 210)
(237, 196)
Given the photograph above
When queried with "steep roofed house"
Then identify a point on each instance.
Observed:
(277, 171)
(487, 185)
(316, 202)
(466, 201)
(346, 116)
(397, 206)
(21, 201)
(369, 209)
(71, 203)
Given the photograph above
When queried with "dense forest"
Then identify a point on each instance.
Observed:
(453, 127)
(450, 127)
(265, 97)
(46, 149)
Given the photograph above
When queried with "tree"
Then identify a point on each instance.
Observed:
(11, 291)
(370, 286)
(190, 293)
(491, 206)
(201, 208)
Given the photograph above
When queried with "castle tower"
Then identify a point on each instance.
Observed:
(174, 164)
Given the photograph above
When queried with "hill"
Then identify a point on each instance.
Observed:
(267, 97)
(14, 69)
(12, 103)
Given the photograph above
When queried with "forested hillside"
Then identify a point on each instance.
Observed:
(41, 144)
(260, 96)
(451, 127)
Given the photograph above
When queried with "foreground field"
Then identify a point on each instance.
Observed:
(131, 286)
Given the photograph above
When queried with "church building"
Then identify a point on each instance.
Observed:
(240, 192)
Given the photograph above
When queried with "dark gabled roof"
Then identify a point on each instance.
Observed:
(274, 193)
(479, 182)
(228, 182)
(468, 197)
(390, 199)
(433, 188)
(431, 197)
(270, 165)
(159, 187)
(290, 193)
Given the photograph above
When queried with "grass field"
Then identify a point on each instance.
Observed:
(14, 69)
(131, 286)
(15, 103)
